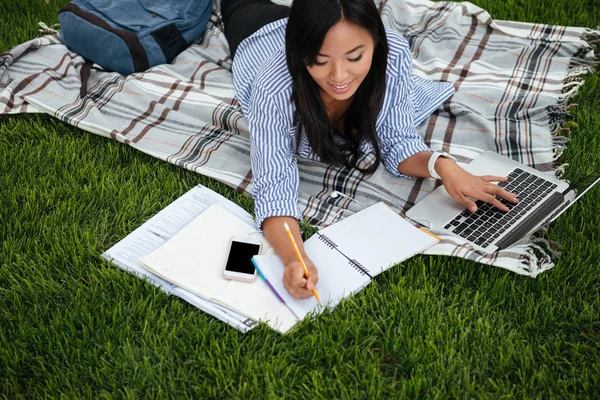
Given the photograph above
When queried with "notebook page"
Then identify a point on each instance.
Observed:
(194, 257)
(256, 301)
(377, 237)
(337, 278)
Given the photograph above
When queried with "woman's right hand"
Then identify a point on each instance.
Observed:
(295, 282)
(293, 276)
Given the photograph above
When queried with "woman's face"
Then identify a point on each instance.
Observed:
(343, 61)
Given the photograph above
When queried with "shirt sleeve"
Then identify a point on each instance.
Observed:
(274, 166)
(398, 134)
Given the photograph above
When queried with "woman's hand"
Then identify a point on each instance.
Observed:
(295, 282)
(463, 186)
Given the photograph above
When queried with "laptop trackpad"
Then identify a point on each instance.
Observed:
(436, 208)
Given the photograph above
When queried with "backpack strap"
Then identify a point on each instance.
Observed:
(170, 41)
(85, 76)
(139, 56)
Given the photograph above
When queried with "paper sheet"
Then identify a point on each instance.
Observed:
(127, 253)
(348, 253)
(263, 306)
(386, 240)
(194, 258)
(334, 284)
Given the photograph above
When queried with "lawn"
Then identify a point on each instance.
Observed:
(73, 325)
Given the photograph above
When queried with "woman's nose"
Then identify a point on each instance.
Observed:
(338, 73)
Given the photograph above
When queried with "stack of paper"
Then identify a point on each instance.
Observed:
(184, 247)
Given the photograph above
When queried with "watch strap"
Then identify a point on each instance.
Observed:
(431, 164)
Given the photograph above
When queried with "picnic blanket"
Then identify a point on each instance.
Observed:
(513, 82)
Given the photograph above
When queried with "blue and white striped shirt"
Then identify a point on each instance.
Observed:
(263, 87)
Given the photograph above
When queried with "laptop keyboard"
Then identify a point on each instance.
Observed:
(488, 223)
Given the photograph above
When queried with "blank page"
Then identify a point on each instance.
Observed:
(337, 278)
(194, 257)
(257, 302)
(377, 237)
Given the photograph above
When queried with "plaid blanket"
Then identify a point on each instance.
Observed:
(513, 81)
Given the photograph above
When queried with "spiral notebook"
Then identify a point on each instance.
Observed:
(348, 254)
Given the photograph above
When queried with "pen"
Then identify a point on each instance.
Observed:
(267, 282)
(289, 233)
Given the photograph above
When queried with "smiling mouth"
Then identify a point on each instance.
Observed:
(342, 86)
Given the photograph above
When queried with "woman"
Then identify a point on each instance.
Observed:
(330, 83)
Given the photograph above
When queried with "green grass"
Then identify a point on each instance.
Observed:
(73, 325)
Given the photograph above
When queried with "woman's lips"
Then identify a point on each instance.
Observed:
(341, 89)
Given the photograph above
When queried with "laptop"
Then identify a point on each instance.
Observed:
(542, 197)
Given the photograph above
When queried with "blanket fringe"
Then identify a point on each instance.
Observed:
(559, 145)
(583, 63)
(539, 252)
(48, 30)
(559, 171)
(536, 258)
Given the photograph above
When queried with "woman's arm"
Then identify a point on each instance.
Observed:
(416, 165)
(405, 153)
(275, 187)
(460, 184)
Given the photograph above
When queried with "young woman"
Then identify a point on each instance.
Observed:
(330, 83)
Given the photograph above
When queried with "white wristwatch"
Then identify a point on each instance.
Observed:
(433, 159)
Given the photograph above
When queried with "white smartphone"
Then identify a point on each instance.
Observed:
(239, 264)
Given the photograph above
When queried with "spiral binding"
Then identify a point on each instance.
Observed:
(353, 263)
(359, 267)
(328, 242)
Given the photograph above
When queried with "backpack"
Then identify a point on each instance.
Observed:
(128, 36)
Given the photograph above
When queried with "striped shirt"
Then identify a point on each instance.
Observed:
(263, 87)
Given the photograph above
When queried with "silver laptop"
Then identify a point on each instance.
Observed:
(541, 198)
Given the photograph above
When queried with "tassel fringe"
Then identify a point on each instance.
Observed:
(539, 252)
(48, 30)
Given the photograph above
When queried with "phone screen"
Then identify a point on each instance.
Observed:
(240, 257)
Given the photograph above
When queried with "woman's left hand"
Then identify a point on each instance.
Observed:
(464, 186)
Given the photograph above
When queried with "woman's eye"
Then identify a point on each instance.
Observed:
(357, 59)
(319, 63)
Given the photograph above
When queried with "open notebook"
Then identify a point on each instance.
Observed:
(348, 254)
(193, 259)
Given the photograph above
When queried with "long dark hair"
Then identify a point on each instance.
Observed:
(309, 21)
